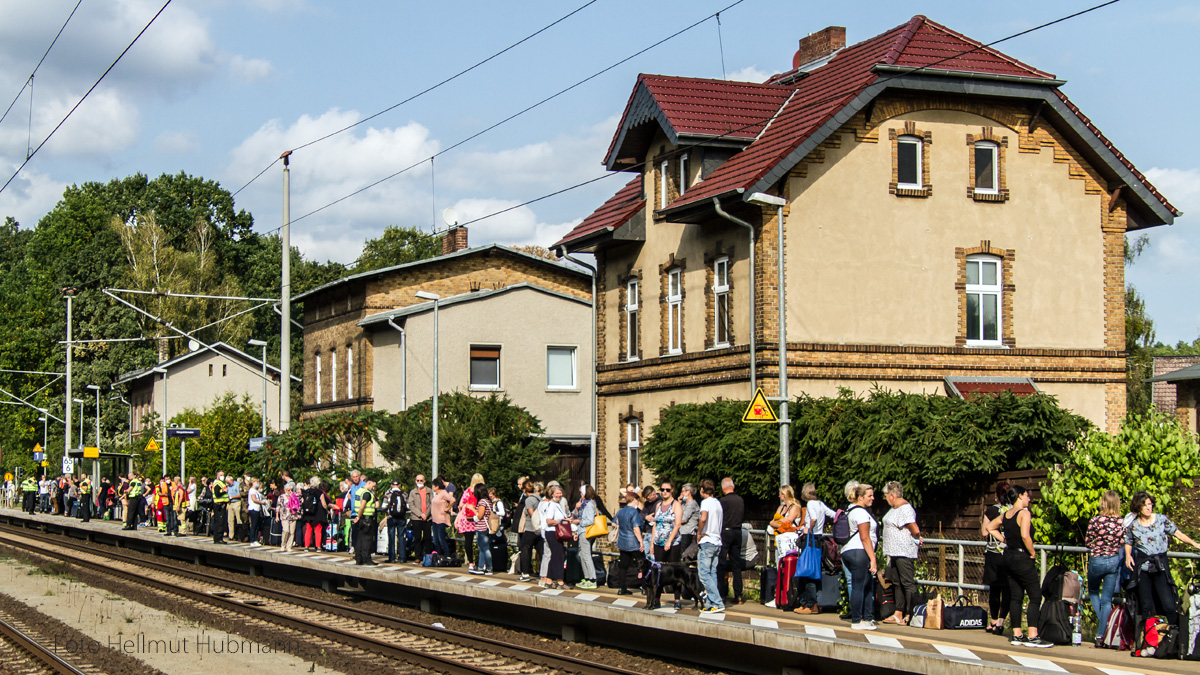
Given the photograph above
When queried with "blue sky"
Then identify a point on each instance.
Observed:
(219, 88)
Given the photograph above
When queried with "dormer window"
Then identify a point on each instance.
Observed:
(909, 158)
(683, 173)
(662, 184)
(987, 162)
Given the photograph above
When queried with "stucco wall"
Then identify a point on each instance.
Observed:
(869, 267)
(190, 386)
(523, 323)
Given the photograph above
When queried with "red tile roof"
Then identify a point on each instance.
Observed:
(970, 390)
(612, 214)
(932, 43)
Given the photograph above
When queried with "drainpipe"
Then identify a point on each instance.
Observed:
(403, 364)
(785, 422)
(753, 340)
(563, 252)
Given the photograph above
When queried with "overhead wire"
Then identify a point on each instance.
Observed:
(513, 116)
(85, 95)
(29, 80)
(428, 89)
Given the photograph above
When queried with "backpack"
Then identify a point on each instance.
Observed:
(841, 526)
(397, 506)
(831, 562)
(311, 500)
(1118, 634)
(1055, 623)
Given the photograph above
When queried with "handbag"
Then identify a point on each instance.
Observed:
(598, 528)
(809, 564)
(562, 531)
(933, 612)
(962, 615)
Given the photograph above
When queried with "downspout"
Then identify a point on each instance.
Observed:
(403, 364)
(753, 340)
(595, 391)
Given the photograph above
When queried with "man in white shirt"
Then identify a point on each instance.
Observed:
(709, 531)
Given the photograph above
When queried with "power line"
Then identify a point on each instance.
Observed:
(85, 95)
(429, 88)
(29, 82)
(514, 115)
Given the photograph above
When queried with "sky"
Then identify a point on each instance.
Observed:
(220, 88)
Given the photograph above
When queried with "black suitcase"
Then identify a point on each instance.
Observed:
(276, 532)
(829, 594)
(613, 578)
(766, 584)
(499, 555)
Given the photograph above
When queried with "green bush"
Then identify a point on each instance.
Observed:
(927, 442)
(1152, 453)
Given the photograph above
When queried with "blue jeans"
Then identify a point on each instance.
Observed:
(395, 549)
(706, 566)
(862, 596)
(483, 541)
(440, 543)
(849, 580)
(1102, 575)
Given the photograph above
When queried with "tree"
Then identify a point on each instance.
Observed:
(490, 436)
(396, 246)
(1139, 358)
(339, 438)
(1151, 452)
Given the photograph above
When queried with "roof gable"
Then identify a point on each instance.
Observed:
(691, 107)
(612, 214)
(218, 348)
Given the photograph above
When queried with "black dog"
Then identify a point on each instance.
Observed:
(657, 577)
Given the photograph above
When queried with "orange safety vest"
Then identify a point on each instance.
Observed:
(162, 496)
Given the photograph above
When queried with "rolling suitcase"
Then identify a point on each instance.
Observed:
(276, 532)
(499, 554)
(785, 581)
(829, 593)
(766, 584)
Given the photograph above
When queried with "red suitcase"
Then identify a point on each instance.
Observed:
(787, 568)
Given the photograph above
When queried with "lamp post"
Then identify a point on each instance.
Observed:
(45, 426)
(763, 199)
(96, 388)
(426, 295)
(80, 402)
(261, 343)
(163, 372)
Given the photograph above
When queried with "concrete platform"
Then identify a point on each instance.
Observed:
(748, 637)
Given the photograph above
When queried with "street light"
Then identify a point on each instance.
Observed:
(163, 372)
(45, 420)
(96, 388)
(763, 199)
(260, 343)
(80, 402)
(426, 295)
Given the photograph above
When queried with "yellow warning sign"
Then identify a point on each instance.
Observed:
(759, 411)
(37, 447)
(45, 463)
(152, 446)
(91, 452)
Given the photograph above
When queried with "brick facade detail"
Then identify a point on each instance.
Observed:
(988, 134)
(1007, 288)
(910, 129)
(664, 330)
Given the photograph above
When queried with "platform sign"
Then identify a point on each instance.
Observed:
(152, 446)
(39, 456)
(759, 411)
(180, 432)
(68, 465)
(258, 443)
(91, 452)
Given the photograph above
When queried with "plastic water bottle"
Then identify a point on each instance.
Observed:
(1076, 630)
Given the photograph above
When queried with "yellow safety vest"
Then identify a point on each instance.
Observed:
(85, 487)
(28, 485)
(368, 503)
(220, 492)
(135, 489)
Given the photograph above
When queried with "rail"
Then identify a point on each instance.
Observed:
(36, 650)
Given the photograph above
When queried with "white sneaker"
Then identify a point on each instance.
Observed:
(862, 625)
(770, 604)
(255, 545)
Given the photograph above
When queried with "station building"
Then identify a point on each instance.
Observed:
(952, 222)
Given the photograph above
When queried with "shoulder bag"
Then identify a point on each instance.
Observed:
(598, 528)
(809, 564)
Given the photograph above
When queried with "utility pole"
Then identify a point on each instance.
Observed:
(70, 292)
(785, 422)
(285, 288)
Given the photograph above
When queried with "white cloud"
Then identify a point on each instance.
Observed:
(750, 74)
(29, 196)
(1180, 186)
(105, 123)
(250, 70)
(176, 143)
(517, 227)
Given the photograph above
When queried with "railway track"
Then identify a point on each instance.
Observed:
(20, 652)
(410, 645)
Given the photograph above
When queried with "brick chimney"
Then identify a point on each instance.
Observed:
(819, 44)
(454, 240)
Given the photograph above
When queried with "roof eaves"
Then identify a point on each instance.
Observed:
(642, 96)
(472, 296)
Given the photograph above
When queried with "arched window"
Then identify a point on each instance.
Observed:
(984, 310)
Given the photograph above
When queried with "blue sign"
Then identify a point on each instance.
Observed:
(39, 456)
(257, 443)
(179, 432)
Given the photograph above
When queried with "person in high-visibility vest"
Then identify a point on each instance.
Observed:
(179, 504)
(162, 504)
(364, 523)
(84, 486)
(29, 488)
(133, 502)
(220, 496)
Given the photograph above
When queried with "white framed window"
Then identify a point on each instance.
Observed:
(224, 370)
(987, 167)
(984, 296)
(662, 184)
(909, 161)
(631, 320)
(633, 451)
(683, 173)
(720, 290)
(333, 374)
(675, 311)
(560, 368)
(318, 378)
(349, 371)
(485, 367)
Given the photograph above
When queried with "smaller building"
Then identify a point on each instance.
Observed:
(196, 379)
(1177, 392)
(1162, 391)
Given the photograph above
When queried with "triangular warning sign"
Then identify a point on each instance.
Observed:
(152, 446)
(37, 447)
(759, 411)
